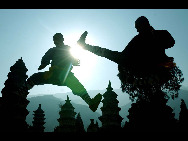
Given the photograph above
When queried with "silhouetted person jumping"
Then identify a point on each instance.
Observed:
(143, 55)
(60, 73)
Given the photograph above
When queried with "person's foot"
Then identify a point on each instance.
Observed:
(94, 103)
(82, 39)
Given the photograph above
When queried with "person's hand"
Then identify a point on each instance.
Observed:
(76, 62)
(42, 66)
(82, 39)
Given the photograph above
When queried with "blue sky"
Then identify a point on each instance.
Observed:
(28, 33)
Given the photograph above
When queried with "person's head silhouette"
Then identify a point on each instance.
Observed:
(142, 24)
(58, 39)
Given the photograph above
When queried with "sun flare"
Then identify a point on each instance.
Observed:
(87, 59)
(77, 51)
(87, 62)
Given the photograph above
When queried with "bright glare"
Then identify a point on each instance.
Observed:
(88, 60)
(78, 52)
(87, 63)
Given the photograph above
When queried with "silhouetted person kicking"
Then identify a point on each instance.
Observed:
(60, 73)
(145, 51)
(148, 46)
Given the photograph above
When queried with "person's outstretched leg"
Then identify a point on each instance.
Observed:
(78, 89)
(39, 78)
(114, 56)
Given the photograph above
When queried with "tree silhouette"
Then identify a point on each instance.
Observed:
(93, 127)
(111, 120)
(183, 117)
(79, 124)
(13, 102)
(141, 82)
(67, 118)
(151, 115)
(38, 122)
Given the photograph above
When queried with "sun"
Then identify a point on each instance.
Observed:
(88, 60)
(87, 63)
(77, 51)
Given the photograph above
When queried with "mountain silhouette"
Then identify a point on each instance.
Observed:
(50, 105)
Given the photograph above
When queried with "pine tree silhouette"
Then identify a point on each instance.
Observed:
(38, 122)
(183, 117)
(67, 118)
(13, 102)
(93, 127)
(151, 115)
(150, 90)
(79, 124)
(111, 120)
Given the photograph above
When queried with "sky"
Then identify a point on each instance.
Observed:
(28, 33)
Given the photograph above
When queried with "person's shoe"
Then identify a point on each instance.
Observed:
(94, 103)
(82, 39)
